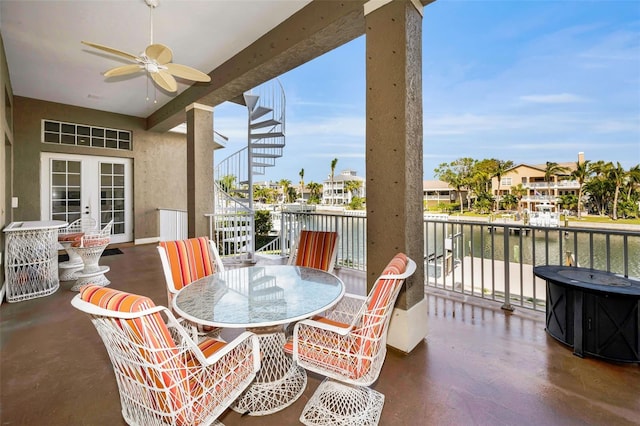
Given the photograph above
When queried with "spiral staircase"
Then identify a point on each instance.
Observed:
(233, 218)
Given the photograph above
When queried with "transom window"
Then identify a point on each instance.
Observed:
(62, 133)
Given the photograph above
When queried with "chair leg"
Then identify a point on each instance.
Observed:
(335, 403)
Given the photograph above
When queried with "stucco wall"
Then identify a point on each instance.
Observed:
(159, 160)
(6, 133)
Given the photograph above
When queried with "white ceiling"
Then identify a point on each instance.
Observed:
(46, 60)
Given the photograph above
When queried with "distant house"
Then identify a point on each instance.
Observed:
(538, 191)
(335, 193)
(436, 192)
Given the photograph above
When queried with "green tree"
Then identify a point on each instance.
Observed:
(509, 201)
(519, 192)
(356, 203)
(568, 201)
(284, 187)
(301, 173)
(599, 187)
(633, 181)
(458, 174)
(260, 193)
(263, 222)
(581, 174)
(353, 187)
(552, 169)
(315, 190)
(227, 183)
(291, 194)
(617, 175)
(483, 203)
(501, 167)
(334, 162)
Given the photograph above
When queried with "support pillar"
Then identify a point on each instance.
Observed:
(200, 147)
(394, 160)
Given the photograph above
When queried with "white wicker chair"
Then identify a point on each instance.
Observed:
(348, 346)
(66, 236)
(90, 247)
(184, 261)
(163, 376)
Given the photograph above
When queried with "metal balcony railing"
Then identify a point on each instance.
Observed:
(492, 261)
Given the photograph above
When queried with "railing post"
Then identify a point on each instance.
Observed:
(283, 233)
(507, 287)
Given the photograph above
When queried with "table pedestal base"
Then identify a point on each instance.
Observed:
(96, 277)
(69, 271)
(279, 382)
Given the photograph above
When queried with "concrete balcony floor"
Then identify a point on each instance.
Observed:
(478, 365)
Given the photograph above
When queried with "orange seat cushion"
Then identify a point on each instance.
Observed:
(70, 237)
(352, 355)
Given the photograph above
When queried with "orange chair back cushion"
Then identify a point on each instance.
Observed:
(380, 307)
(189, 260)
(154, 343)
(316, 249)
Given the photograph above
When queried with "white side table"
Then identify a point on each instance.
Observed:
(31, 266)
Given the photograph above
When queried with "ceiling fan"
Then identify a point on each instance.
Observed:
(155, 60)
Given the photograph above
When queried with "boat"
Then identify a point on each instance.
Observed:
(545, 215)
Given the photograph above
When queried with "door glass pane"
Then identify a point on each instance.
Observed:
(58, 166)
(112, 196)
(59, 179)
(65, 190)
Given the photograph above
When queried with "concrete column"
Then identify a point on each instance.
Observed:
(199, 168)
(394, 157)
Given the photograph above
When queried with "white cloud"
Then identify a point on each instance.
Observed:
(559, 98)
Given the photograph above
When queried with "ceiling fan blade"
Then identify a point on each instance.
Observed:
(123, 70)
(112, 50)
(159, 52)
(165, 80)
(188, 73)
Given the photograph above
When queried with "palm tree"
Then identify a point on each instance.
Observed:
(617, 175)
(501, 167)
(599, 186)
(352, 186)
(519, 192)
(284, 184)
(552, 169)
(333, 169)
(581, 174)
(227, 183)
(315, 190)
(301, 183)
(633, 179)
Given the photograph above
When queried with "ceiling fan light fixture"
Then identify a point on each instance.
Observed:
(155, 60)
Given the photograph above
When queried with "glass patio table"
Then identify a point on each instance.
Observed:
(263, 299)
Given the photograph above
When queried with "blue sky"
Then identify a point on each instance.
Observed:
(527, 81)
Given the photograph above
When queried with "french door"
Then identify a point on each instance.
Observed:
(73, 186)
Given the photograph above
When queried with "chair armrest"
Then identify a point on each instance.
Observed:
(245, 339)
(342, 331)
(347, 309)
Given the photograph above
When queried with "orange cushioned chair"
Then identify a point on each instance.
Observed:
(348, 346)
(163, 375)
(315, 249)
(185, 261)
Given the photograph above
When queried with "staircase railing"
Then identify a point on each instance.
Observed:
(232, 224)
